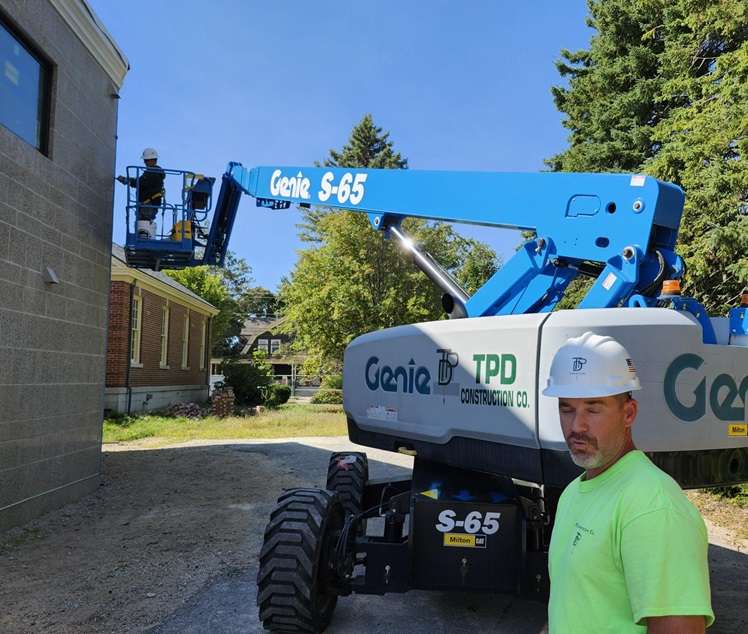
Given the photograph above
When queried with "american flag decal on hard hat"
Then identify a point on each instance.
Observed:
(630, 364)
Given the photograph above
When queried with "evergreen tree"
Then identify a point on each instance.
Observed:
(352, 281)
(369, 146)
(663, 89)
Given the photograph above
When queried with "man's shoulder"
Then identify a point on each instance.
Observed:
(647, 488)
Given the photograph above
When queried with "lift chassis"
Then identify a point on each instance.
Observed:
(436, 529)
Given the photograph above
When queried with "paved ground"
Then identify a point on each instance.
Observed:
(169, 544)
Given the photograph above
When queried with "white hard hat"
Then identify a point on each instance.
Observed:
(149, 153)
(591, 366)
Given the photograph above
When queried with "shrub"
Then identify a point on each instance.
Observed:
(251, 381)
(333, 381)
(277, 395)
(328, 396)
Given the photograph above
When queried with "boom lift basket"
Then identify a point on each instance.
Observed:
(162, 232)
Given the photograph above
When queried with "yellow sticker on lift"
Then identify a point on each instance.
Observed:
(461, 540)
(737, 429)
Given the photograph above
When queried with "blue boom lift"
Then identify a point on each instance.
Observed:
(581, 223)
(463, 396)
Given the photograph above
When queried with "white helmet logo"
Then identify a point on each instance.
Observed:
(578, 363)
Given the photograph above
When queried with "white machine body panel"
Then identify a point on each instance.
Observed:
(693, 394)
(482, 378)
(475, 378)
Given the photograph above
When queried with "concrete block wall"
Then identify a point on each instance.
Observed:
(55, 211)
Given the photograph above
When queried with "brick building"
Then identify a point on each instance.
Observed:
(60, 73)
(159, 340)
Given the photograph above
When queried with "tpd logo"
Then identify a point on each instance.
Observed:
(577, 363)
(447, 362)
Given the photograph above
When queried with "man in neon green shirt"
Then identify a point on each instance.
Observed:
(628, 551)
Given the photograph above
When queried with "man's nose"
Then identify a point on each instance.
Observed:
(579, 422)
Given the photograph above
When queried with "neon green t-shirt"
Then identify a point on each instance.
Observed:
(626, 545)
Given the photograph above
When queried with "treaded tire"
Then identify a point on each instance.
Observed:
(347, 474)
(293, 583)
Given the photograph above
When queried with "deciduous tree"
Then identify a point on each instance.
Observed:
(351, 280)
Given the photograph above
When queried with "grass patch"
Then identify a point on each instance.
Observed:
(290, 420)
(737, 495)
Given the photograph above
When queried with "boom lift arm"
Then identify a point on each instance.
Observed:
(619, 228)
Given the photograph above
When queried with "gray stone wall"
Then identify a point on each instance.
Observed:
(55, 211)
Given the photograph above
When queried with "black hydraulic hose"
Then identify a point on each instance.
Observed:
(654, 286)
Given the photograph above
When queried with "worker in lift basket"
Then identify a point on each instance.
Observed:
(628, 551)
(150, 186)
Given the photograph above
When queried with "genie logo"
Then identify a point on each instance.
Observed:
(578, 363)
(726, 397)
(294, 187)
(398, 379)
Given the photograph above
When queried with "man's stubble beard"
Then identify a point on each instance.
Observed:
(597, 458)
(588, 461)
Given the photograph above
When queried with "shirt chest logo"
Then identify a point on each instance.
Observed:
(580, 533)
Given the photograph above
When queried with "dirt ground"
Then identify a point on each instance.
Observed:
(167, 522)
(161, 524)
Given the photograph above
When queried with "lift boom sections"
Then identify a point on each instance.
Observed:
(618, 228)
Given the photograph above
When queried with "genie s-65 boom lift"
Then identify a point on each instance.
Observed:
(463, 396)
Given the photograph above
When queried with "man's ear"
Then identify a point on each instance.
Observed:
(630, 410)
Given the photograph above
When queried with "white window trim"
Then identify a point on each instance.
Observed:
(136, 332)
(272, 341)
(185, 341)
(202, 346)
(264, 344)
(164, 340)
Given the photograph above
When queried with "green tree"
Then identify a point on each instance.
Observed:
(260, 302)
(251, 382)
(226, 288)
(369, 146)
(663, 89)
(352, 281)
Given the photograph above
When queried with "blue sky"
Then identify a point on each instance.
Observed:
(459, 85)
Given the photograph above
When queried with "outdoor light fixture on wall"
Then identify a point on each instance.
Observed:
(50, 277)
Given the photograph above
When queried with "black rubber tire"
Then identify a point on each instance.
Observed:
(294, 593)
(347, 474)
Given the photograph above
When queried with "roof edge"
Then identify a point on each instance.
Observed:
(130, 276)
(81, 18)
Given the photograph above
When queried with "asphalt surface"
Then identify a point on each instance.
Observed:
(227, 603)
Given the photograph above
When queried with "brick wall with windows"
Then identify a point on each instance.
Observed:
(150, 347)
(152, 371)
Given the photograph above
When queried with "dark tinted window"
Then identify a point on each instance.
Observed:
(23, 81)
